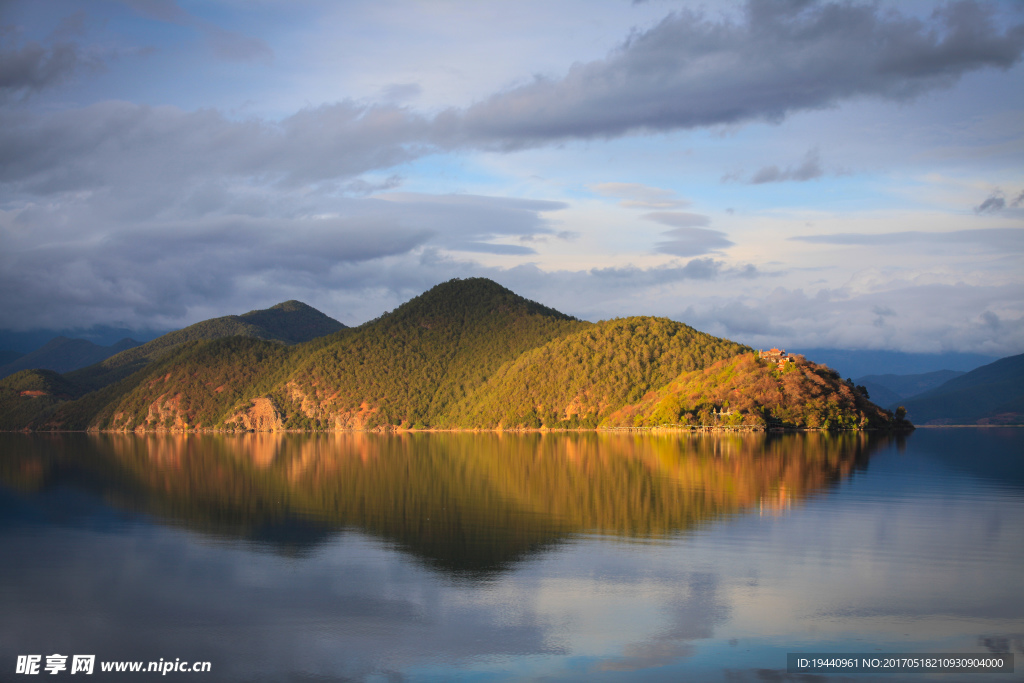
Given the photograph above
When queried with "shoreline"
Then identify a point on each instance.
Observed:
(496, 430)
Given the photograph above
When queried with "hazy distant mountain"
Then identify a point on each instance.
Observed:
(886, 390)
(64, 355)
(858, 363)
(9, 356)
(27, 341)
(467, 353)
(992, 394)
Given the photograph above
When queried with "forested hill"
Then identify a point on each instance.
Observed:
(466, 354)
(290, 322)
(579, 379)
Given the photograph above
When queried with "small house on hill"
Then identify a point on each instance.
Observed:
(777, 356)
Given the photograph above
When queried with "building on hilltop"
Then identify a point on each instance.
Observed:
(777, 356)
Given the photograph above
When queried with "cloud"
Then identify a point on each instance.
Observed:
(687, 238)
(996, 203)
(776, 58)
(28, 67)
(81, 264)
(809, 169)
(226, 45)
(124, 145)
(637, 196)
(896, 315)
(396, 93)
(677, 219)
(1002, 239)
(687, 71)
(693, 242)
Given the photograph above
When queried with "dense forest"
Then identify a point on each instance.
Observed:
(467, 354)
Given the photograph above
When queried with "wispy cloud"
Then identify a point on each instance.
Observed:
(1003, 239)
(808, 169)
(638, 196)
(227, 45)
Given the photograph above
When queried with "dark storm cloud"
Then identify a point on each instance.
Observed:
(691, 70)
(1004, 239)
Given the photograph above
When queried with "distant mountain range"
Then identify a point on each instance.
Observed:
(992, 394)
(466, 354)
(866, 362)
(888, 390)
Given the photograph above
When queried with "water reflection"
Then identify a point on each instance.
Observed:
(462, 502)
(503, 557)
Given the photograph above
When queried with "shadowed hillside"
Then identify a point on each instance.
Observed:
(991, 394)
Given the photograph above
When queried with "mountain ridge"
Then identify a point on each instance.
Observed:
(466, 354)
(991, 394)
(62, 354)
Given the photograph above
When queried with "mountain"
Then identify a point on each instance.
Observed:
(887, 390)
(9, 356)
(578, 380)
(991, 394)
(748, 390)
(63, 355)
(29, 394)
(466, 354)
(290, 322)
(405, 367)
(860, 362)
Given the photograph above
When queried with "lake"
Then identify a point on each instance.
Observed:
(506, 557)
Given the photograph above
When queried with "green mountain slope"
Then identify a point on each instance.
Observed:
(748, 391)
(410, 365)
(61, 354)
(578, 380)
(991, 394)
(290, 322)
(466, 354)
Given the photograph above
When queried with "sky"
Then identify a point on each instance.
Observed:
(779, 172)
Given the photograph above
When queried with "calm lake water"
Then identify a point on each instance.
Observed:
(490, 557)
